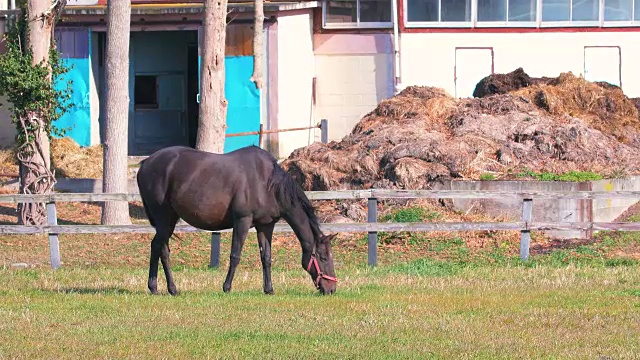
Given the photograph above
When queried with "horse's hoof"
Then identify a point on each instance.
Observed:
(269, 292)
(226, 288)
(153, 291)
(174, 292)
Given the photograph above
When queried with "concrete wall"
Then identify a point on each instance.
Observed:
(606, 210)
(295, 80)
(511, 208)
(430, 58)
(354, 73)
(570, 210)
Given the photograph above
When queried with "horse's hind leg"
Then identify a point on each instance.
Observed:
(240, 230)
(160, 251)
(164, 258)
(156, 249)
(265, 232)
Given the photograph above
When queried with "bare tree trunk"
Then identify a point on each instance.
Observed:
(213, 103)
(36, 176)
(257, 44)
(114, 179)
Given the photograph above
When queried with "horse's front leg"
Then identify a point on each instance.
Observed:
(240, 231)
(265, 233)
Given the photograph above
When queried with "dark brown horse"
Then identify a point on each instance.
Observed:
(241, 189)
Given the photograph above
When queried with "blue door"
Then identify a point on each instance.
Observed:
(243, 98)
(74, 45)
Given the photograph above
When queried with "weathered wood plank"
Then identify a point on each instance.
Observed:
(338, 227)
(525, 234)
(331, 227)
(486, 194)
(372, 236)
(67, 197)
(613, 226)
(54, 243)
(339, 194)
(352, 194)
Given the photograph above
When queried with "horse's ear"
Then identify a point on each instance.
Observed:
(328, 238)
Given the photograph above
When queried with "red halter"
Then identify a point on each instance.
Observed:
(314, 261)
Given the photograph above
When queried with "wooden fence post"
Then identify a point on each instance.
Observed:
(372, 238)
(214, 260)
(54, 244)
(324, 131)
(525, 235)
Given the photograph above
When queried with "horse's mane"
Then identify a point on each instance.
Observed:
(288, 193)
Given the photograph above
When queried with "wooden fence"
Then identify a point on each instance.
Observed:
(372, 227)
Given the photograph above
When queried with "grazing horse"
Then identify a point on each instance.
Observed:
(241, 189)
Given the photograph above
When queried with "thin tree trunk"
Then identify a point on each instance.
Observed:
(116, 111)
(35, 156)
(257, 44)
(213, 103)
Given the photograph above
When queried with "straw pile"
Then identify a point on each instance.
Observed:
(8, 163)
(68, 159)
(71, 160)
(423, 135)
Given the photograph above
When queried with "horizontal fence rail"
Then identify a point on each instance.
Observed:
(372, 227)
(351, 195)
(332, 227)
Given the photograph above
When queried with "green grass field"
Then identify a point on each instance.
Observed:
(439, 299)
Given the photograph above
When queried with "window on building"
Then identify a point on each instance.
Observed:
(507, 10)
(520, 13)
(357, 13)
(146, 92)
(438, 11)
(570, 10)
(622, 10)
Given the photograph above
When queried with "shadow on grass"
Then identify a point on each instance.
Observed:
(95, 291)
(6, 213)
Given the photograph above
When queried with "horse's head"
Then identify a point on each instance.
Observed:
(320, 266)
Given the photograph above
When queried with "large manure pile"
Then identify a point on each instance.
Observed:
(424, 135)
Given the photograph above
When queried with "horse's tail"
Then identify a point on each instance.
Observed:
(144, 203)
(146, 211)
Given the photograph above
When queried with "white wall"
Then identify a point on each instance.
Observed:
(429, 58)
(295, 80)
(354, 73)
